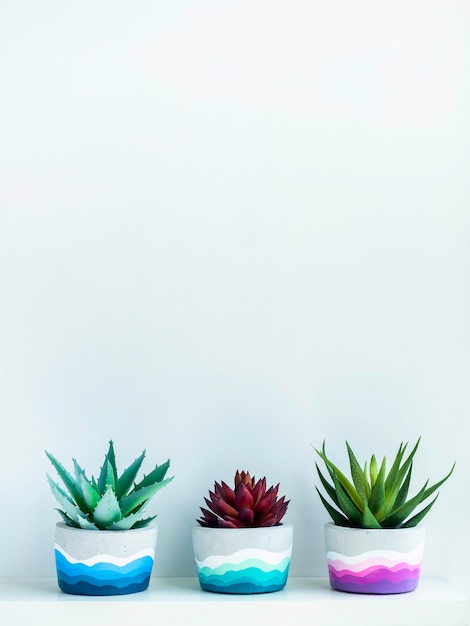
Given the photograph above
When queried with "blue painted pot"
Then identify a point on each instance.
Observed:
(104, 562)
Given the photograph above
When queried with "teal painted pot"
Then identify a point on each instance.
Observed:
(104, 562)
(243, 560)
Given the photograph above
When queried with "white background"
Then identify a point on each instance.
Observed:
(229, 230)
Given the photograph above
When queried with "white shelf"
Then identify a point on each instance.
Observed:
(180, 602)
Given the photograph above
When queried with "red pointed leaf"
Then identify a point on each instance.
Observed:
(246, 516)
(219, 490)
(244, 478)
(243, 498)
(220, 507)
(264, 505)
(274, 515)
(229, 494)
(230, 522)
(208, 519)
(259, 491)
(224, 524)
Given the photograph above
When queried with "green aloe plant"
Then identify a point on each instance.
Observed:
(113, 501)
(375, 498)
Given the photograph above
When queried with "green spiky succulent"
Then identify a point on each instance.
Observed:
(113, 502)
(375, 498)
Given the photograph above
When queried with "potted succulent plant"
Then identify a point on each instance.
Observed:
(104, 544)
(375, 543)
(240, 545)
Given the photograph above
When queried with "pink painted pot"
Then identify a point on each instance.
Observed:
(383, 561)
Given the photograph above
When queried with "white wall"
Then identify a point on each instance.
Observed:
(229, 230)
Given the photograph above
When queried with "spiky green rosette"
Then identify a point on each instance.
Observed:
(112, 502)
(248, 505)
(375, 498)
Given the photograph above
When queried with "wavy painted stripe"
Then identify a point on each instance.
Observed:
(339, 565)
(73, 572)
(114, 581)
(103, 578)
(245, 565)
(375, 575)
(84, 589)
(371, 570)
(265, 556)
(250, 574)
(370, 563)
(251, 580)
(101, 569)
(411, 556)
(382, 587)
(377, 579)
(107, 558)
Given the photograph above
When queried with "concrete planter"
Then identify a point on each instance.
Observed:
(104, 562)
(374, 561)
(243, 560)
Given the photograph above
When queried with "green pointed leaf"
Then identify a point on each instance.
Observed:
(130, 521)
(155, 476)
(402, 493)
(402, 512)
(337, 474)
(102, 478)
(338, 518)
(144, 522)
(368, 518)
(110, 476)
(68, 520)
(107, 510)
(356, 473)
(78, 471)
(374, 470)
(394, 481)
(138, 497)
(322, 454)
(67, 504)
(366, 482)
(126, 480)
(57, 490)
(407, 464)
(68, 481)
(90, 495)
(398, 490)
(112, 459)
(347, 505)
(330, 490)
(391, 479)
(432, 489)
(413, 521)
(377, 496)
(85, 524)
(108, 473)
(395, 519)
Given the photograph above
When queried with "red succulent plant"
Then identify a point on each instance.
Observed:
(248, 505)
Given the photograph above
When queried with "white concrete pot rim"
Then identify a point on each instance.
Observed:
(353, 529)
(98, 531)
(241, 530)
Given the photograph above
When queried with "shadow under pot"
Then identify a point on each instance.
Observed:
(243, 560)
(374, 561)
(104, 562)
